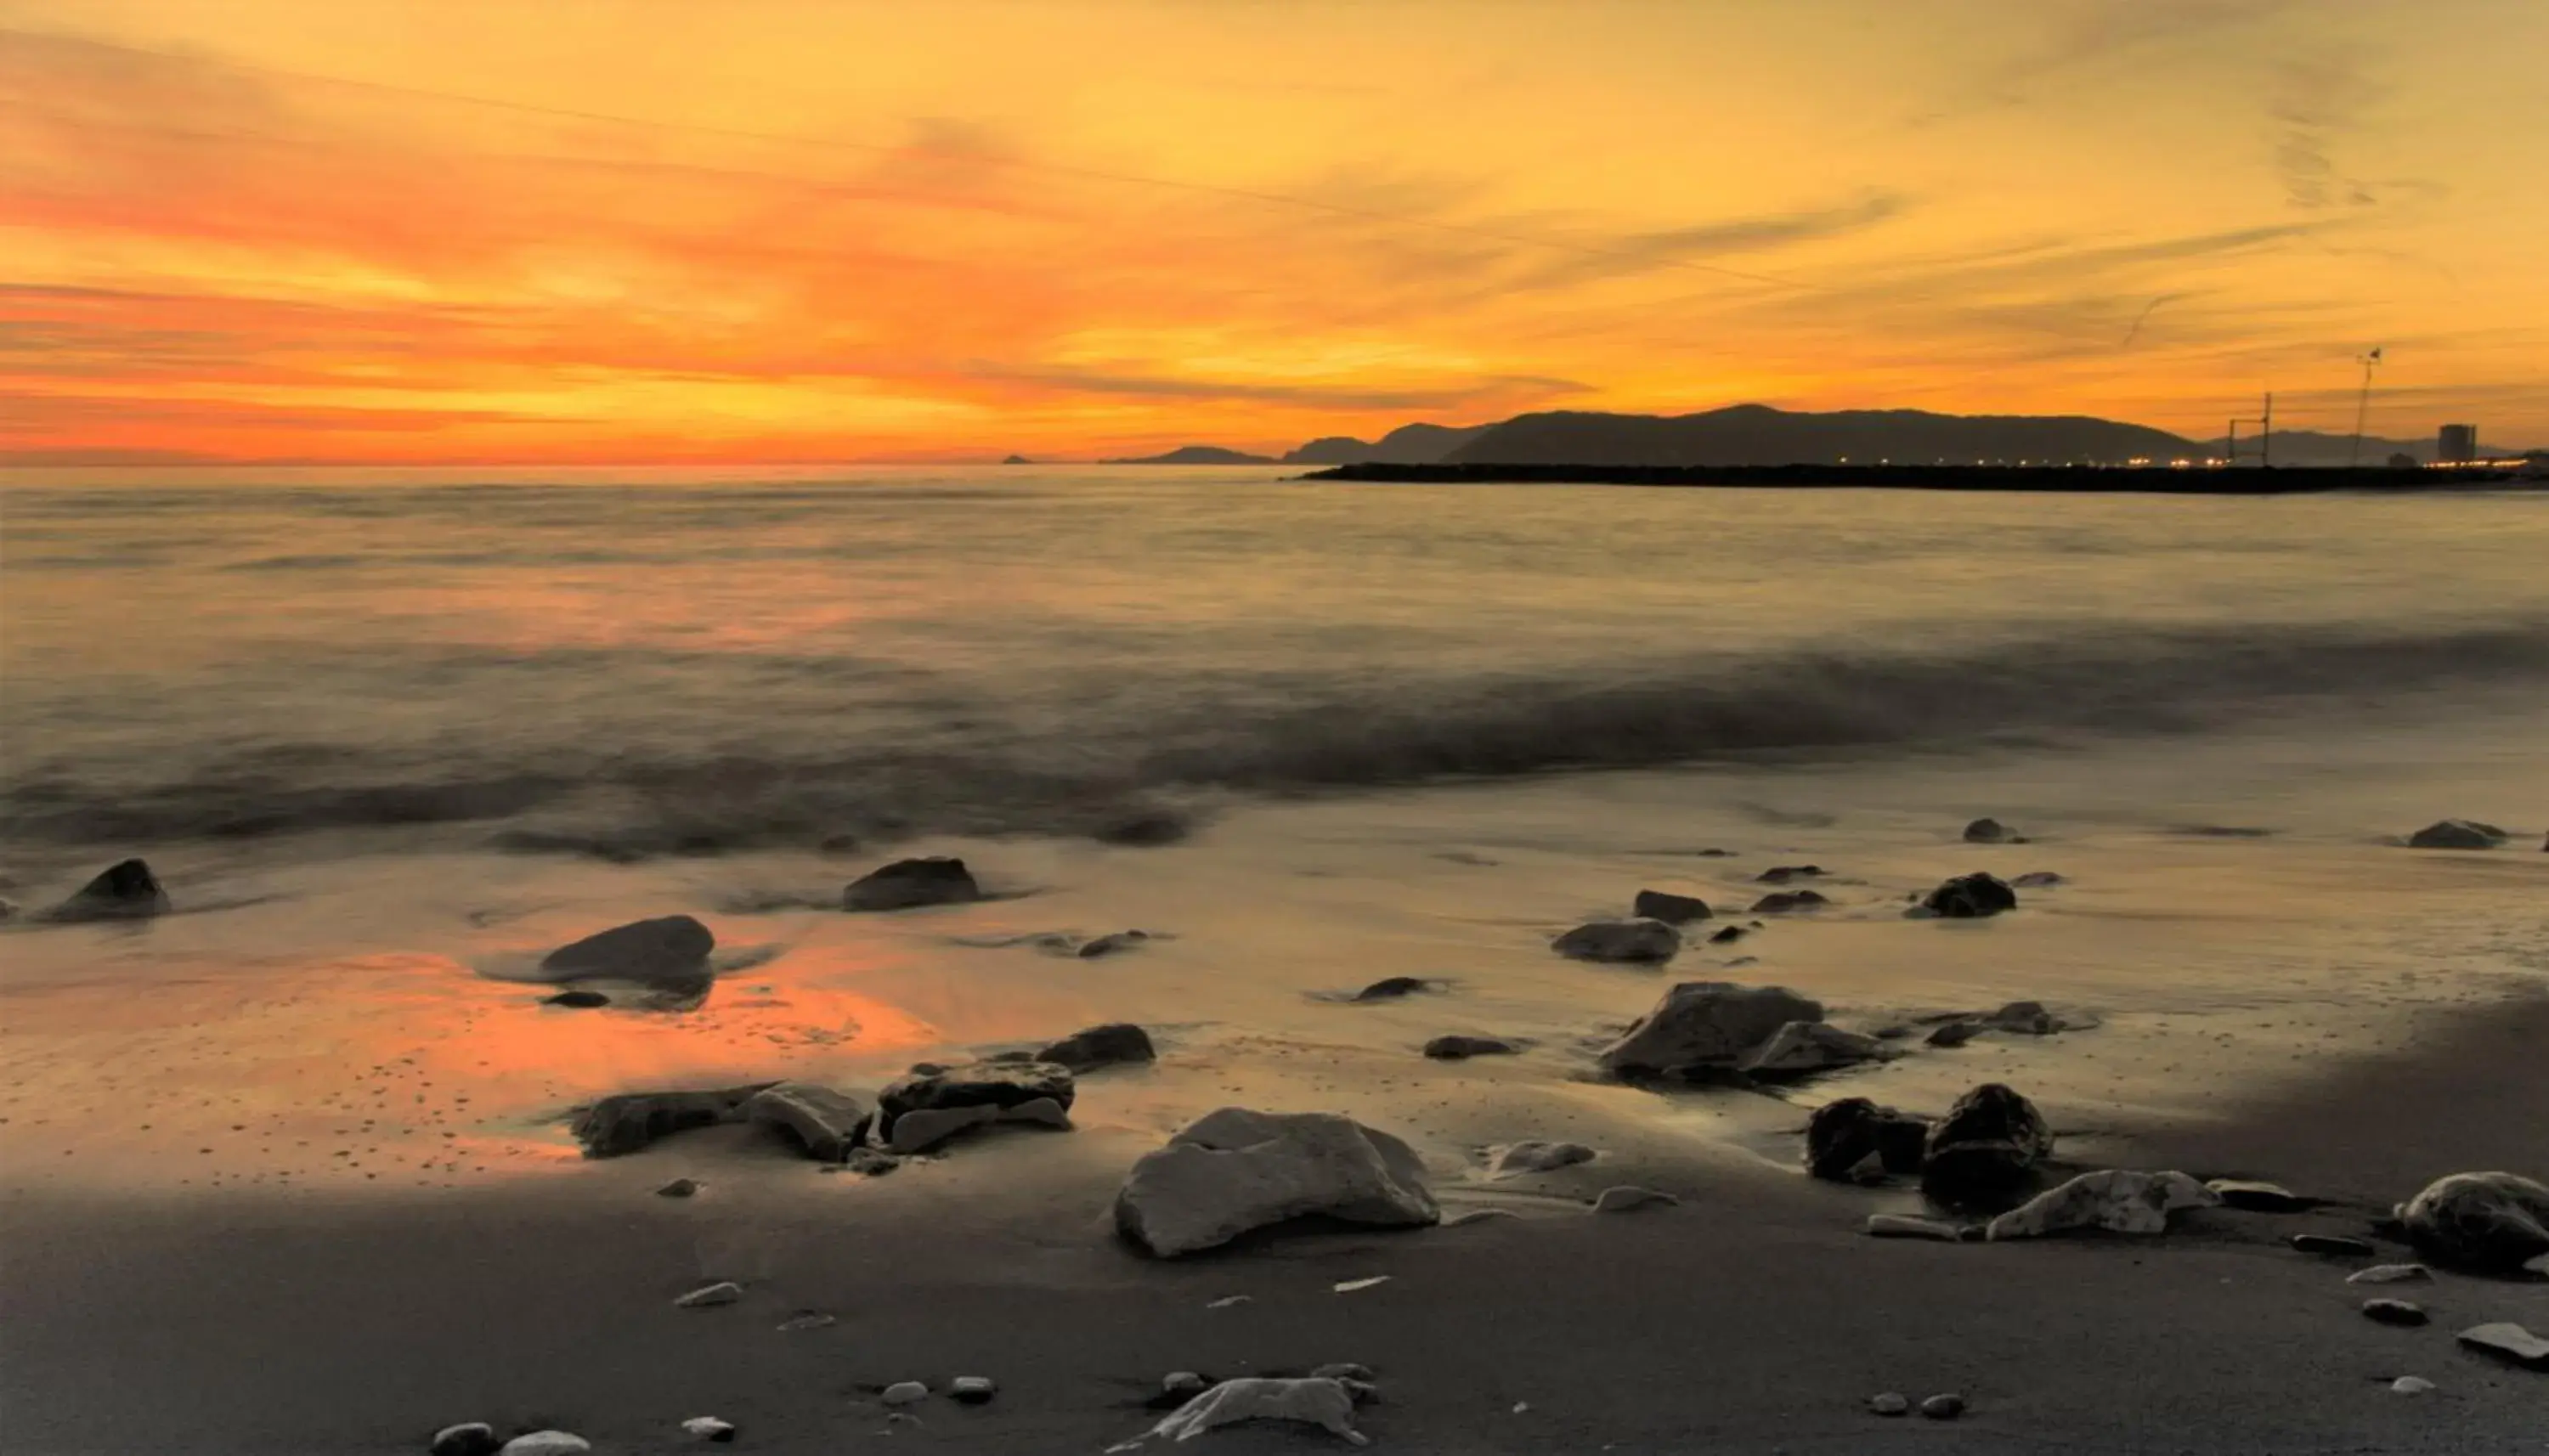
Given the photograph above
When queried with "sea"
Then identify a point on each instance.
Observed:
(387, 733)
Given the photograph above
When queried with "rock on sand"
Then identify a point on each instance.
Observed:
(1632, 941)
(1323, 1402)
(1116, 1043)
(625, 1122)
(1971, 897)
(1802, 1048)
(907, 885)
(127, 890)
(709, 1428)
(1235, 1170)
(824, 1123)
(1458, 1047)
(1668, 907)
(670, 948)
(1844, 1135)
(925, 1108)
(546, 1443)
(1515, 1159)
(2117, 1200)
(2509, 1342)
(1705, 1023)
(2457, 834)
(2490, 1223)
(475, 1438)
(1988, 1144)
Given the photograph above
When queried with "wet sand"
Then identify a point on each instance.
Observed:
(1751, 1318)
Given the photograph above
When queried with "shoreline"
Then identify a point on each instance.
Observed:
(1751, 1318)
(2057, 479)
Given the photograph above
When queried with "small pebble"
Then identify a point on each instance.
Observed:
(723, 1292)
(476, 1439)
(709, 1428)
(1898, 1225)
(1231, 1301)
(1350, 1285)
(972, 1389)
(679, 1188)
(1944, 1408)
(1626, 1197)
(2393, 1312)
(2392, 1274)
(1892, 1402)
(905, 1393)
(2412, 1385)
(2329, 1243)
(809, 1319)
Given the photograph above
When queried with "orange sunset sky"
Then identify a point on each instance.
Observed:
(561, 230)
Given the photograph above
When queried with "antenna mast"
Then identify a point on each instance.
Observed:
(2362, 406)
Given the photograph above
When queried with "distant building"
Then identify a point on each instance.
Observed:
(2403, 462)
(2458, 446)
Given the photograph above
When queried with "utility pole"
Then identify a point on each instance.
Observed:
(2362, 406)
(2266, 436)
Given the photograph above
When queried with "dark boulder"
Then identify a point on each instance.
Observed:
(2485, 1223)
(1786, 902)
(122, 891)
(1729, 936)
(907, 885)
(1117, 1043)
(1393, 987)
(981, 1092)
(1782, 873)
(1669, 908)
(824, 1123)
(1457, 1047)
(576, 1000)
(1146, 830)
(1971, 897)
(1987, 1146)
(1701, 1027)
(1113, 942)
(1637, 942)
(1844, 1135)
(668, 949)
(2457, 834)
(1955, 1034)
(625, 1122)
(2028, 1018)
(1992, 831)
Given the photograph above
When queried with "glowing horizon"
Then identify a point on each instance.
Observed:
(796, 231)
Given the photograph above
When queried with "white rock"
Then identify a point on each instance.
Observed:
(2511, 1340)
(1325, 1403)
(545, 1443)
(723, 1292)
(1627, 1196)
(2412, 1385)
(709, 1428)
(905, 1393)
(2115, 1198)
(1234, 1170)
(2391, 1274)
(1514, 1159)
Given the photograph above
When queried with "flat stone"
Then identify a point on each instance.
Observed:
(1635, 941)
(546, 1443)
(1516, 1160)
(972, 1389)
(2393, 1312)
(1116, 1043)
(2412, 1385)
(1727, 935)
(925, 1129)
(709, 1428)
(1898, 1225)
(824, 1123)
(1114, 943)
(907, 885)
(1944, 1408)
(1782, 873)
(2026, 1017)
(1955, 1033)
(625, 1122)
(806, 1320)
(1790, 902)
(1478, 1215)
(998, 1086)
(2457, 834)
(2509, 1342)
(474, 1438)
(706, 1295)
(1235, 1170)
(2260, 1198)
(2486, 1223)
(1890, 1402)
(1393, 987)
(905, 1393)
(668, 949)
(1705, 1023)
(1992, 831)
(2333, 1245)
(1345, 1370)
(2392, 1274)
(2037, 879)
(126, 890)
(1457, 1047)
(679, 1188)
(1801, 1048)
(2117, 1200)
(1668, 907)
(1627, 1198)
(1325, 1403)
(1971, 897)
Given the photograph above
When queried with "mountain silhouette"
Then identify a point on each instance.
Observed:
(1409, 444)
(1197, 455)
(1757, 434)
